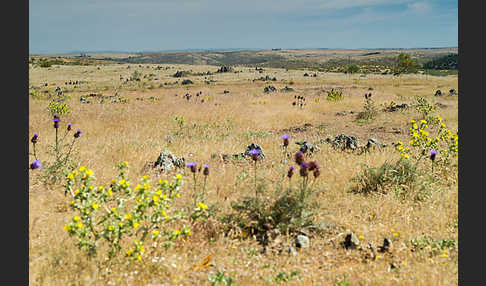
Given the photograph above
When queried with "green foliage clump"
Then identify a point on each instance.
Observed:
(433, 246)
(220, 278)
(352, 68)
(424, 107)
(370, 111)
(334, 95)
(405, 64)
(122, 218)
(59, 108)
(286, 277)
(400, 174)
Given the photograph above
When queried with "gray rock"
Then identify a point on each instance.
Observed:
(291, 250)
(452, 92)
(344, 142)
(287, 89)
(166, 161)
(438, 93)
(351, 241)
(269, 88)
(387, 244)
(307, 147)
(224, 69)
(187, 81)
(302, 241)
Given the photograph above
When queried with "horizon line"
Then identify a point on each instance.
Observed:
(222, 49)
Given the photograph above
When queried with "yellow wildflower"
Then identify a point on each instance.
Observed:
(89, 172)
(135, 224)
(76, 218)
(128, 216)
(155, 232)
(70, 176)
(179, 177)
(82, 168)
(111, 228)
(202, 205)
(80, 225)
(94, 206)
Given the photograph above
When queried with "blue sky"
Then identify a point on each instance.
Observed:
(59, 26)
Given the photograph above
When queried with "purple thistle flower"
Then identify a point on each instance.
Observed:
(206, 170)
(34, 138)
(366, 96)
(369, 95)
(433, 153)
(255, 154)
(290, 173)
(304, 169)
(36, 165)
(313, 165)
(317, 172)
(56, 122)
(294, 103)
(69, 125)
(78, 132)
(285, 138)
(299, 157)
(192, 165)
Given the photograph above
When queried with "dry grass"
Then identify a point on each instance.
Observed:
(136, 132)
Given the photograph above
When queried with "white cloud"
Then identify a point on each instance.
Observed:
(419, 7)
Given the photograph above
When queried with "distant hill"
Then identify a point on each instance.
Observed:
(316, 59)
(448, 62)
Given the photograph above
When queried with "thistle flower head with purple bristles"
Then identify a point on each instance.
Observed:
(77, 134)
(304, 169)
(255, 154)
(34, 138)
(285, 138)
(290, 173)
(69, 126)
(299, 157)
(206, 170)
(36, 165)
(433, 154)
(192, 166)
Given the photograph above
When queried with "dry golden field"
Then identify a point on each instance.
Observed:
(137, 131)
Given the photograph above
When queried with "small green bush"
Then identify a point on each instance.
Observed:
(334, 95)
(402, 173)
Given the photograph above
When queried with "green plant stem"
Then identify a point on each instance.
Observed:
(204, 188)
(255, 169)
(57, 146)
(195, 193)
(35, 155)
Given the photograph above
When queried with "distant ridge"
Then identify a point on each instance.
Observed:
(227, 49)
